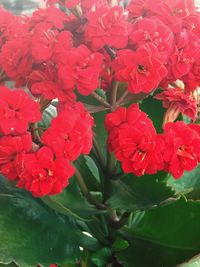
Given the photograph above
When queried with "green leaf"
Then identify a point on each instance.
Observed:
(101, 257)
(47, 116)
(100, 131)
(194, 262)
(12, 264)
(92, 167)
(163, 236)
(120, 244)
(31, 233)
(91, 182)
(188, 184)
(70, 202)
(86, 259)
(133, 193)
(154, 110)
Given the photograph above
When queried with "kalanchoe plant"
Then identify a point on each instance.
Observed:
(100, 134)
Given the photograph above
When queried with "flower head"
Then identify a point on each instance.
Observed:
(42, 174)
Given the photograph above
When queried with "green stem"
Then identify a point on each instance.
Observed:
(99, 153)
(123, 96)
(111, 163)
(86, 192)
(110, 52)
(118, 224)
(101, 100)
(114, 89)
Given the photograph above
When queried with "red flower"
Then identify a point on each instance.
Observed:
(171, 12)
(152, 30)
(43, 80)
(133, 139)
(175, 97)
(192, 79)
(185, 52)
(11, 26)
(51, 15)
(44, 175)
(42, 43)
(16, 60)
(17, 109)
(62, 45)
(141, 69)
(107, 27)
(70, 133)
(181, 151)
(81, 70)
(137, 8)
(10, 149)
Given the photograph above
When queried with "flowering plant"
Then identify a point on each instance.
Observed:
(100, 134)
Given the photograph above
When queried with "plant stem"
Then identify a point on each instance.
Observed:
(111, 163)
(99, 153)
(113, 98)
(101, 100)
(118, 224)
(110, 52)
(123, 96)
(86, 192)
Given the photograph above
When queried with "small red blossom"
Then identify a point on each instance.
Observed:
(181, 150)
(137, 8)
(42, 174)
(107, 27)
(184, 54)
(141, 69)
(133, 139)
(192, 79)
(51, 15)
(176, 98)
(43, 80)
(172, 13)
(152, 30)
(10, 149)
(62, 44)
(17, 109)
(16, 59)
(81, 70)
(42, 44)
(70, 133)
(11, 26)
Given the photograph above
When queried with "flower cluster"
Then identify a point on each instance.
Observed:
(135, 143)
(73, 49)
(46, 168)
(133, 139)
(15, 116)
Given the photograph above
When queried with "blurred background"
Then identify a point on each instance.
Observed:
(28, 6)
(19, 6)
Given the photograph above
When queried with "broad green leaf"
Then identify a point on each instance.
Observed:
(194, 262)
(31, 233)
(163, 236)
(154, 110)
(133, 193)
(188, 184)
